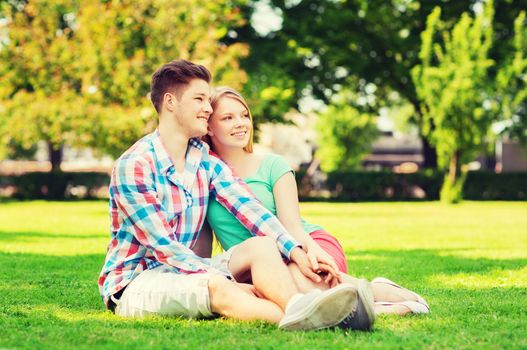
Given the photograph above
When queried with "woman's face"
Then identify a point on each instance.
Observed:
(230, 124)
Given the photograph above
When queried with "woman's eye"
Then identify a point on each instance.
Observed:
(200, 99)
(246, 115)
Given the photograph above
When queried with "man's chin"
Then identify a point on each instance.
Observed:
(200, 133)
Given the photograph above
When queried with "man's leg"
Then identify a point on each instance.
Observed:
(228, 299)
(160, 291)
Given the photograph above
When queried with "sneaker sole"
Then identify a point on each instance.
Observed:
(326, 311)
(366, 299)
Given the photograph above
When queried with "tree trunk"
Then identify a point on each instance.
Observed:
(55, 156)
(452, 189)
(429, 151)
(429, 154)
(454, 168)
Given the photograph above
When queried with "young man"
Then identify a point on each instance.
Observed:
(158, 199)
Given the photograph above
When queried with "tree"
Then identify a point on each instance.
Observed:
(326, 45)
(455, 91)
(78, 73)
(344, 134)
(511, 85)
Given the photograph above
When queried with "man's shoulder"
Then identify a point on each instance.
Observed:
(140, 152)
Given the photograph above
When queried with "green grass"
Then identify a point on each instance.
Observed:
(469, 261)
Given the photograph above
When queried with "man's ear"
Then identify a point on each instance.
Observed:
(170, 101)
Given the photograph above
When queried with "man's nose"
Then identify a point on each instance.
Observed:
(207, 108)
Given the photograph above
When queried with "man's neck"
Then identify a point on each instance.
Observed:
(174, 141)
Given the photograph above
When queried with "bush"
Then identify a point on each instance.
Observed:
(344, 186)
(486, 185)
(422, 185)
(56, 185)
(375, 186)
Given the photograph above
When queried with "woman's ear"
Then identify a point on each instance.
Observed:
(209, 131)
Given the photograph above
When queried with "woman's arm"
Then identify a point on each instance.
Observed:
(288, 212)
(203, 246)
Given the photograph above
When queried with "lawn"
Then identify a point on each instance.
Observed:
(469, 261)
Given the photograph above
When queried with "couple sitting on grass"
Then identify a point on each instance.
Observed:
(276, 267)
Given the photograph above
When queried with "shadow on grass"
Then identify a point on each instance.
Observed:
(27, 236)
(418, 264)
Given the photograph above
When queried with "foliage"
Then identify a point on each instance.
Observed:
(344, 134)
(78, 72)
(324, 46)
(452, 81)
(471, 271)
(511, 84)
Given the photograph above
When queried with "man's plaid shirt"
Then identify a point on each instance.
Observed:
(156, 213)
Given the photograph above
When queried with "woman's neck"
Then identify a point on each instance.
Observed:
(243, 164)
(232, 155)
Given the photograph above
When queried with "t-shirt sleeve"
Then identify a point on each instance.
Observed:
(278, 168)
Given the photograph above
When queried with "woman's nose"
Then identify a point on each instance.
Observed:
(240, 121)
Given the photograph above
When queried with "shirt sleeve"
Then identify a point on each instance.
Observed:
(278, 167)
(236, 197)
(138, 203)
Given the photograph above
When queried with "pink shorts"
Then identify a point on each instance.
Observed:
(332, 247)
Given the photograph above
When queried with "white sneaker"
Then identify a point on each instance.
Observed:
(413, 308)
(362, 318)
(318, 310)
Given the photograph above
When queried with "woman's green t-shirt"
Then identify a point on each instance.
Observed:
(227, 228)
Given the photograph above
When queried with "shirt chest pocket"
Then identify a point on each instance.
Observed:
(171, 206)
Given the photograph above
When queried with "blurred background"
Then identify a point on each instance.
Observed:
(369, 100)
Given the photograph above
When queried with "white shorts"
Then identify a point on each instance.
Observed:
(161, 291)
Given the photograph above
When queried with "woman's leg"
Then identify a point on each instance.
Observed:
(255, 257)
(272, 279)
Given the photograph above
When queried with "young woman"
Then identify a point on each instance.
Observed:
(271, 179)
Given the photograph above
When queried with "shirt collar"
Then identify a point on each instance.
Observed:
(163, 158)
(160, 152)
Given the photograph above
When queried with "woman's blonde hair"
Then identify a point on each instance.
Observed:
(225, 91)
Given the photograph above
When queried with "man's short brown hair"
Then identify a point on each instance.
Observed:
(172, 76)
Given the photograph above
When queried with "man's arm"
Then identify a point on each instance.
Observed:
(134, 193)
(236, 197)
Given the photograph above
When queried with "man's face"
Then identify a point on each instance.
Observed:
(193, 109)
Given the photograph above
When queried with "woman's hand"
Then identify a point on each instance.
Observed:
(321, 261)
(299, 257)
